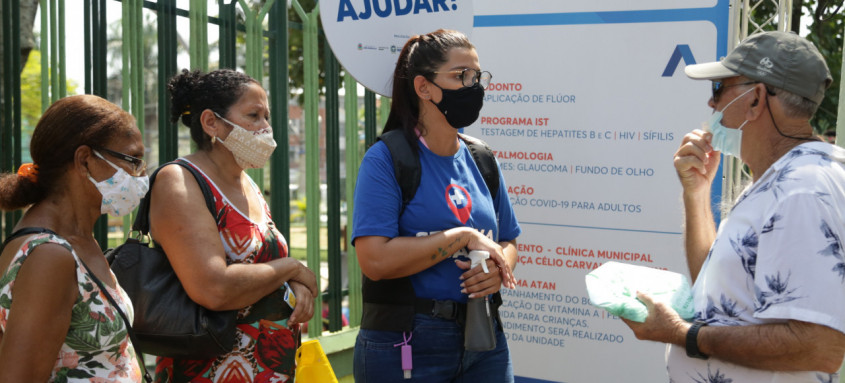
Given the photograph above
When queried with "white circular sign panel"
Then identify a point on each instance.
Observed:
(367, 35)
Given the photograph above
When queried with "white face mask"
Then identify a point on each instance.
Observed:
(122, 192)
(726, 140)
(251, 149)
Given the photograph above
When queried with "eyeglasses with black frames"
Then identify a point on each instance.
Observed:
(470, 77)
(138, 165)
(718, 87)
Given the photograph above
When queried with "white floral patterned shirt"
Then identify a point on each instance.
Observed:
(778, 256)
(96, 348)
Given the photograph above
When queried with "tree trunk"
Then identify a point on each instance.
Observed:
(28, 11)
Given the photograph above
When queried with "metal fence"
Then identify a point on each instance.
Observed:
(258, 34)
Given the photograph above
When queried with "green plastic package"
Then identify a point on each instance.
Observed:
(614, 285)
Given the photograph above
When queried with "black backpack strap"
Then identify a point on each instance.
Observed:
(486, 162)
(406, 164)
(407, 169)
(142, 220)
(25, 231)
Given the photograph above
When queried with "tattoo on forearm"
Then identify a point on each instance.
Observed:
(447, 252)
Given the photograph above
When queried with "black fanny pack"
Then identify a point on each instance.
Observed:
(390, 305)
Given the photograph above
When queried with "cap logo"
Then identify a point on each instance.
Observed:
(765, 66)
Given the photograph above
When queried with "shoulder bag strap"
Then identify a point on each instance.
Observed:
(26, 231)
(142, 220)
(135, 343)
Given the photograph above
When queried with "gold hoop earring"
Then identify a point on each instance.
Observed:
(213, 139)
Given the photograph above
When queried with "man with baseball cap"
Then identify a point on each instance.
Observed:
(769, 286)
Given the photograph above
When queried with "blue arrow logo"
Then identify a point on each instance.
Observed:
(681, 51)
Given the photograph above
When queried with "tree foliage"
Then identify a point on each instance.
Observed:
(31, 97)
(296, 63)
(296, 51)
(31, 92)
(826, 31)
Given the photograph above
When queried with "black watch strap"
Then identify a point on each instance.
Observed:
(692, 341)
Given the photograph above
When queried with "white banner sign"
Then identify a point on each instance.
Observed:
(367, 35)
(587, 107)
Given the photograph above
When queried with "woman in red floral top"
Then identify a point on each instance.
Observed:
(236, 260)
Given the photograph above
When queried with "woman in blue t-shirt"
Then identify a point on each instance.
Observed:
(417, 276)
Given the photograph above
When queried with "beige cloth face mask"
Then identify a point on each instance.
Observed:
(251, 149)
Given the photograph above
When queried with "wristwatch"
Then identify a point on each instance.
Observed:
(692, 341)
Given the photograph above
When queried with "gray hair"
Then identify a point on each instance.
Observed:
(795, 106)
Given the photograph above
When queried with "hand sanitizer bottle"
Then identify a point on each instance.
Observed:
(479, 334)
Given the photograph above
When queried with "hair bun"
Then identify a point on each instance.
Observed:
(181, 88)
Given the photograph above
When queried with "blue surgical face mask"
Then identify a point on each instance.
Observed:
(726, 140)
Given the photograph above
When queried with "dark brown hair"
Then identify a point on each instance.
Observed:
(65, 126)
(421, 56)
(193, 92)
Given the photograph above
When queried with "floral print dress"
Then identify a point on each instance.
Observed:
(264, 347)
(97, 346)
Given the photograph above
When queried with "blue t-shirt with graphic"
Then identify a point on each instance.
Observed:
(452, 193)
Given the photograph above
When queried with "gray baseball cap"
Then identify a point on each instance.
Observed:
(780, 59)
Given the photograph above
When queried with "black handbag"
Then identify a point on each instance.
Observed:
(167, 322)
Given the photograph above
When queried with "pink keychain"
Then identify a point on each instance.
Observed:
(407, 364)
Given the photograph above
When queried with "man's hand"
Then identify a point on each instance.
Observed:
(789, 346)
(696, 162)
(663, 323)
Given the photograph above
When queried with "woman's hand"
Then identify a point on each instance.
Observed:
(304, 309)
(306, 277)
(476, 282)
(481, 242)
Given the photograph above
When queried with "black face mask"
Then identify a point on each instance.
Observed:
(461, 106)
